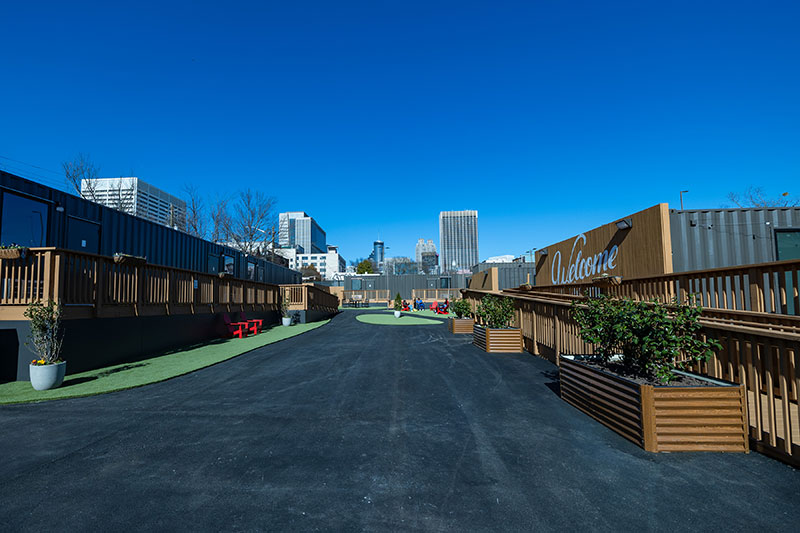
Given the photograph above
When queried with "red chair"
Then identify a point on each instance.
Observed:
(235, 329)
(255, 324)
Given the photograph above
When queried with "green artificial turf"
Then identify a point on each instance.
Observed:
(129, 375)
(386, 319)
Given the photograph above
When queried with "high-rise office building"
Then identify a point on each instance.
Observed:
(296, 228)
(378, 254)
(423, 247)
(135, 197)
(458, 239)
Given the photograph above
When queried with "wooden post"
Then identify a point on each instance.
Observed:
(756, 290)
(648, 418)
(100, 288)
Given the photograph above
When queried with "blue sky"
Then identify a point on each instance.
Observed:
(549, 118)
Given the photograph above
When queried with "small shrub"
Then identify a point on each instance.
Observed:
(461, 308)
(497, 312)
(398, 303)
(285, 307)
(653, 338)
(46, 335)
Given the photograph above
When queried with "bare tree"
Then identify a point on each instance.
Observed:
(82, 175)
(220, 220)
(250, 215)
(196, 219)
(755, 197)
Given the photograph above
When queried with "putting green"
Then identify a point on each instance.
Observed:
(386, 319)
(129, 375)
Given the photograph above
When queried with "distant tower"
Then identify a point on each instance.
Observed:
(378, 254)
(296, 228)
(458, 238)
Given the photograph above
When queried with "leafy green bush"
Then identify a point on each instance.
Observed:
(461, 308)
(497, 312)
(285, 307)
(398, 303)
(654, 339)
(45, 335)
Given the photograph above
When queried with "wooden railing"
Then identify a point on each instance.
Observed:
(765, 287)
(377, 296)
(760, 350)
(436, 294)
(91, 285)
(309, 298)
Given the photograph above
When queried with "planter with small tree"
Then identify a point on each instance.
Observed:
(463, 322)
(13, 251)
(637, 382)
(398, 305)
(496, 335)
(48, 370)
(286, 316)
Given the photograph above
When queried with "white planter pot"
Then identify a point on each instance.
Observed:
(286, 320)
(397, 314)
(45, 377)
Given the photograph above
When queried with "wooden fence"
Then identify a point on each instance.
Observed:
(91, 285)
(765, 287)
(436, 294)
(374, 296)
(758, 349)
(308, 297)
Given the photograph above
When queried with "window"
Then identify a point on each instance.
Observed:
(355, 285)
(444, 283)
(251, 271)
(227, 264)
(213, 264)
(787, 244)
(24, 221)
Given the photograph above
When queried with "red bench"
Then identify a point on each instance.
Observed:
(235, 329)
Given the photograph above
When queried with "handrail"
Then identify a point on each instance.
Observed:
(91, 285)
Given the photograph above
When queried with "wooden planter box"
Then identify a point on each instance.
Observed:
(497, 340)
(660, 418)
(13, 253)
(460, 325)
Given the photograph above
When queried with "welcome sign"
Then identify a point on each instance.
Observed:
(645, 249)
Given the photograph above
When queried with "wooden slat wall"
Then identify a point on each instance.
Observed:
(684, 424)
(614, 402)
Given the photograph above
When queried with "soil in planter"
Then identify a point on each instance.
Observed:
(619, 370)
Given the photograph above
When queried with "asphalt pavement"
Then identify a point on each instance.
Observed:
(359, 427)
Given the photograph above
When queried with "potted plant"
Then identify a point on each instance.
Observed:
(48, 370)
(127, 259)
(286, 317)
(462, 323)
(398, 305)
(13, 251)
(496, 335)
(637, 382)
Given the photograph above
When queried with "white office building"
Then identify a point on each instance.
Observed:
(136, 197)
(458, 239)
(296, 228)
(423, 247)
(328, 264)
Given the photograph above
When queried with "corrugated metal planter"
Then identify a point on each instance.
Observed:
(460, 325)
(497, 340)
(660, 418)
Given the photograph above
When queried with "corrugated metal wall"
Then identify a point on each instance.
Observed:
(406, 283)
(128, 234)
(712, 238)
(510, 274)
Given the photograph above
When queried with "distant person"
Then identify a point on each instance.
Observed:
(446, 304)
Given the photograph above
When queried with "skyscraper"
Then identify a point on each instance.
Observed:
(378, 252)
(296, 228)
(458, 239)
